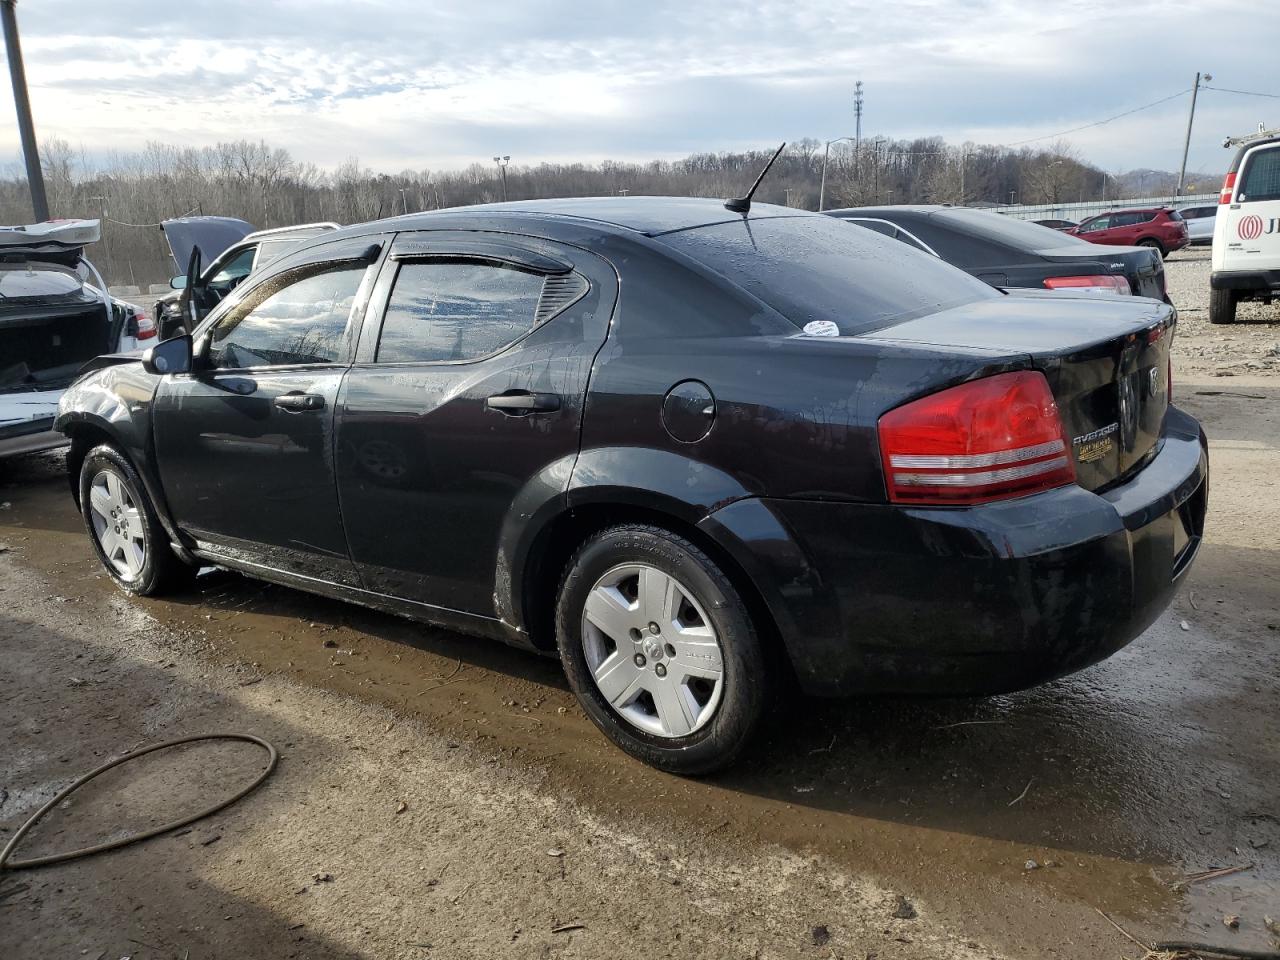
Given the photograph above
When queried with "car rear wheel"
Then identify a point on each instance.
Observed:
(1154, 244)
(123, 526)
(660, 650)
(1222, 306)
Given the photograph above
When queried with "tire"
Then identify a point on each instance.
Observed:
(669, 709)
(123, 526)
(1154, 244)
(1222, 306)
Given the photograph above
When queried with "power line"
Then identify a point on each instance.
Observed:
(1247, 93)
(1098, 123)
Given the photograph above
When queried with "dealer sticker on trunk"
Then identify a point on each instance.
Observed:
(1096, 444)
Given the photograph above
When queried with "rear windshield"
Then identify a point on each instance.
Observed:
(997, 227)
(1261, 180)
(821, 268)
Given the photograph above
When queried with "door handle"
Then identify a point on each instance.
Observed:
(297, 402)
(519, 403)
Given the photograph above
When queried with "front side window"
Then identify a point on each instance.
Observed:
(299, 317)
(1098, 223)
(1261, 180)
(455, 309)
(234, 270)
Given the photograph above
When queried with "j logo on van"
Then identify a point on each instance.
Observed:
(1250, 227)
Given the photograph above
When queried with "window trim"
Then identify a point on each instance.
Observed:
(898, 228)
(455, 253)
(305, 271)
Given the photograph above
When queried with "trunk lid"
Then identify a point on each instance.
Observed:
(1143, 267)
(1106, 360)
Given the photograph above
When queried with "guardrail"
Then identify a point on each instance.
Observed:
(1079, 211)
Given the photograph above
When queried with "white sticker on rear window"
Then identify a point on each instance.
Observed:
(821, 328)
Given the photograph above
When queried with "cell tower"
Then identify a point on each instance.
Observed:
(857, 117)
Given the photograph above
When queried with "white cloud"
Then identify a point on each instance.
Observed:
(445, 84)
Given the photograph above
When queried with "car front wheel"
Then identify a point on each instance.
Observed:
(660, 649)
(123, 526)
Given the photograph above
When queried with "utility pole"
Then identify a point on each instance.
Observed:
(106, 246)
(22, 105)
(1191, 118)
(857, 117)
(502, 169)
(404, 200)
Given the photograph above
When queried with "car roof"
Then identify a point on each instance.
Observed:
(650, 216)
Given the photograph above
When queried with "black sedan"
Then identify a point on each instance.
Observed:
(1006, 252)
(689, 449)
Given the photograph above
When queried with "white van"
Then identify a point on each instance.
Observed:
(1246, 237)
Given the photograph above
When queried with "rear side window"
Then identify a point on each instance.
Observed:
(1007, 231)
(299, 317)
(820, 268)
(450, 310)
(1261, 177)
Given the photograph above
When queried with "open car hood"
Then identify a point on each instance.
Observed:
(211, 234)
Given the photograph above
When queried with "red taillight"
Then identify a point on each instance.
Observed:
(1099, 284)
(988, 439)
(146, 326)
(1228, 187)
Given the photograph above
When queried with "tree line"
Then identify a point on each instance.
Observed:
(267, 187)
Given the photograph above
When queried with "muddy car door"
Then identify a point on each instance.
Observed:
(467, 392)
(244, 442)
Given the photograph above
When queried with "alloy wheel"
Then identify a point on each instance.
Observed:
(652, 650)
(118, 524)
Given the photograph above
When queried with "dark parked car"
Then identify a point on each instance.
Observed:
(1158, 228)
(235, 249)
(1053, 224)
(1006, 252)
(691, 450)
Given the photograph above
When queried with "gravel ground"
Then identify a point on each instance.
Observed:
(1251, 345)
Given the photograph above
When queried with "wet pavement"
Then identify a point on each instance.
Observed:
(1117, 782)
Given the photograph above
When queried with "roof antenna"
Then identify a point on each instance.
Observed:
(743, 204)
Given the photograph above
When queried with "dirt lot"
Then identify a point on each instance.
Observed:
(444, 797)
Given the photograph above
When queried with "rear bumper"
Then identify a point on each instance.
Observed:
(881, 599)
(1249, 281)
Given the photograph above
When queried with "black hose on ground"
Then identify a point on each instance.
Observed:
(1233, 953)
(6, 864)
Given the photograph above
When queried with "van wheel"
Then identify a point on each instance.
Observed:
(124, 528)
(660, 650)
(1154, 244)
(1222, 306)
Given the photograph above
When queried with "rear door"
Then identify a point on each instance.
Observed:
(467, 396)
(1249, 235)
(245, 443)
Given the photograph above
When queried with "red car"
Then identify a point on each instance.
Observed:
(1163, 229)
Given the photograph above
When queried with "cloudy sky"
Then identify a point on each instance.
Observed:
(445, 83)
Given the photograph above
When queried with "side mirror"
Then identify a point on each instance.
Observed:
(170, 356)
(178, 282)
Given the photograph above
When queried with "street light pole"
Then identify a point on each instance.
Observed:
(826, 155)
(502, 170)
(22, 105)
(1186, 144)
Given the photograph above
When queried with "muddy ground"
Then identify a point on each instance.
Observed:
(439, 796)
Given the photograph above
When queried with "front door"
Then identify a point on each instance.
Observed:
(244, 443)
(465, 403)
